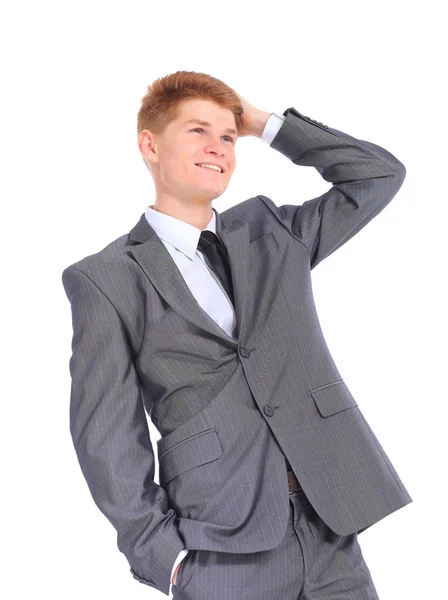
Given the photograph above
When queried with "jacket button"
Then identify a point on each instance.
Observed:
(268, 410)
(142, 579)
(245, 352)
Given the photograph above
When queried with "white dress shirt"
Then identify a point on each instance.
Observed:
(181, 239)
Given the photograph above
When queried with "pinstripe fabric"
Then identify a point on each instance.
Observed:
(310, 563)
(229, 411)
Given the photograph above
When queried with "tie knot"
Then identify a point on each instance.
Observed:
(206, 239)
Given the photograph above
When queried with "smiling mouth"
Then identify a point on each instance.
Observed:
(208, 169)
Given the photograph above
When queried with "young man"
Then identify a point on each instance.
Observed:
(268, 469)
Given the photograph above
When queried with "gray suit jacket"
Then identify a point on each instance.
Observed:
(228, 412)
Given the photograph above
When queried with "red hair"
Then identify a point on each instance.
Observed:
(160, 104)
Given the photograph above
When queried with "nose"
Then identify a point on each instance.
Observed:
(215, 146)
(217, 151)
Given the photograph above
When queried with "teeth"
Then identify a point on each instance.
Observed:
(207, 166)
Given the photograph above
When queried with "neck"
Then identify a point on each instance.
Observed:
(199, 217)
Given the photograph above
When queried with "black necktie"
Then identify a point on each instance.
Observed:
(216, 252)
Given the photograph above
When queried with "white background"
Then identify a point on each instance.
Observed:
(73, 74)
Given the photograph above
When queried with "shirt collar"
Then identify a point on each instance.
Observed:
(183, 236)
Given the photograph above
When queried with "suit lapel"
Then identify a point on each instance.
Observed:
(159, 267)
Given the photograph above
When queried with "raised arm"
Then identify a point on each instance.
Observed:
(364, 177)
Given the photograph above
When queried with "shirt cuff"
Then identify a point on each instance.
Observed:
(272, 127)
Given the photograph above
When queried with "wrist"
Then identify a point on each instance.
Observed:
(259, 123)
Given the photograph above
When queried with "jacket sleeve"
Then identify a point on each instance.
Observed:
(364, 178)
(111, 436)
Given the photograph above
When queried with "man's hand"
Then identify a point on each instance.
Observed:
(254, 119)
(175, 572)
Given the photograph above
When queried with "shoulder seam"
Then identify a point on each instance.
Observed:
(279, 220)
(99, 289)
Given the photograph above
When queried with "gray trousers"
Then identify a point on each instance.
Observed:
(311, 563)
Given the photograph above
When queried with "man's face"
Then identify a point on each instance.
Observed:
(174, 155)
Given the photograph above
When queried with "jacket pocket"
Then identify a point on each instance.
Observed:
(184, 565)
(332, 398)
(194, 451)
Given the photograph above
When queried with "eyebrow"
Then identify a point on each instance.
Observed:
(206, 124)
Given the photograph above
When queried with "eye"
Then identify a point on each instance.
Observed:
(200, 129)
